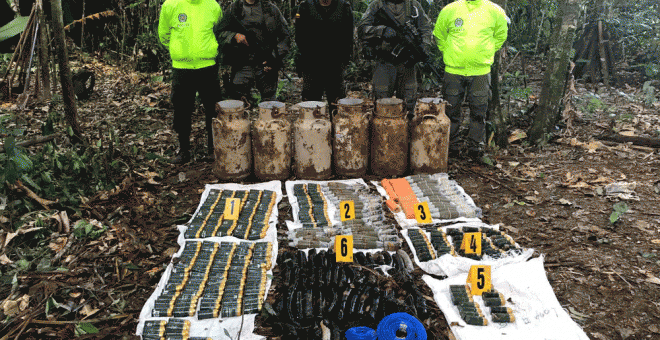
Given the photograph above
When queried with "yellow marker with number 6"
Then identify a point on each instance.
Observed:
(346, 210)
(479, 279)
(422, 213)
(344, 248)
(232, 207)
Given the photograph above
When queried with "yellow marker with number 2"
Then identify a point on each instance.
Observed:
(422, 213)
(232, 207)
(344, 248)
(479, 279)
(346, 210)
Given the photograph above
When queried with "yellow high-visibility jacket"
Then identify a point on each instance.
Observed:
(468, 33)
(186, 28)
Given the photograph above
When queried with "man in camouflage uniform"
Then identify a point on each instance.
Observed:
(256, 40)
(395, 71)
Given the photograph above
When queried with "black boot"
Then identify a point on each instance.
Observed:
(183, 156)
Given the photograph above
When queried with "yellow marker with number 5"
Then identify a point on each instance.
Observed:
(232, 207)
(422, 213)
(346, 210)
(479, 279)
(471, 243)
(344, 248)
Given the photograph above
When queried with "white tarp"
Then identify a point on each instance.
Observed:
(528, 293)
(453, 265)
(215, 328)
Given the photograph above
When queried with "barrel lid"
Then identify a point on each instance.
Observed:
(272, 104)
(231, 104)
(431, 100)
(311, 104)
(389, 101)
(350, 101)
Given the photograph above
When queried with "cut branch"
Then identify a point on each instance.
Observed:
(43, 202)
(636, 140)
(37, 140)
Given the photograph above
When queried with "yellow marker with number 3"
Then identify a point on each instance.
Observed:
(232, 207)
(346, 210)
(422, 213)
(479, 279)
(471, 243)
(344, 248)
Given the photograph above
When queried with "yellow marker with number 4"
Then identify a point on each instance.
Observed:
(471, 243)
(344, 248)
(346, 210)
(422, 213)
(232, 207)
(479, 279)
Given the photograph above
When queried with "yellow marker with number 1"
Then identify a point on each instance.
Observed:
(346, 210)
(422, 213)
(479, 279)
(344, 248)
(232, 207)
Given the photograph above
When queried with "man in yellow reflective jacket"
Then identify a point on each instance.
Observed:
(186, 28)
(468, 33)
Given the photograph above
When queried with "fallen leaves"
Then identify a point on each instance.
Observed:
(13, 307)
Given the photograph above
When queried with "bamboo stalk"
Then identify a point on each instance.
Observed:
(20, 43)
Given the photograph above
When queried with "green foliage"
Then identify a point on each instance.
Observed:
(84, 328)
(620, 208)
(83, 229)
(56, 172)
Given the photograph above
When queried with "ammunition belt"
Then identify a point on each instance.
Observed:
(494, 243)
(255, 210)
(422, 245)
(216, 273)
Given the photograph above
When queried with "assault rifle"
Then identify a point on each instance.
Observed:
(411, 44)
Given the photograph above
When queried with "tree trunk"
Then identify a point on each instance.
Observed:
(499, 118)
(556, 74)
(68, 96)
(44, 69)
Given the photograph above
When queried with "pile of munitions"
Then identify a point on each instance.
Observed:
(444, 197)
(462, 298)
(255, 207)
(369, 227)
(494, 243)
(315, 289)
(226, 279)
(470, 311)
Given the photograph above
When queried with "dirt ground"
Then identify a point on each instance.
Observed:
(557, 200)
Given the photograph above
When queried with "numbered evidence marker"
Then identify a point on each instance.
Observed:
(344, 248)
(232, 206)
(422, 213)
(471, 243)
(479, 279)
(346, 210)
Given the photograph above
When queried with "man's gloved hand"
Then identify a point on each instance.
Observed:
(389, 33)
(241, 39)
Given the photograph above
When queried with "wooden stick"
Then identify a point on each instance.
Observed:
(69, 322)
(493, 180)
(31, 142)
(43, 202)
